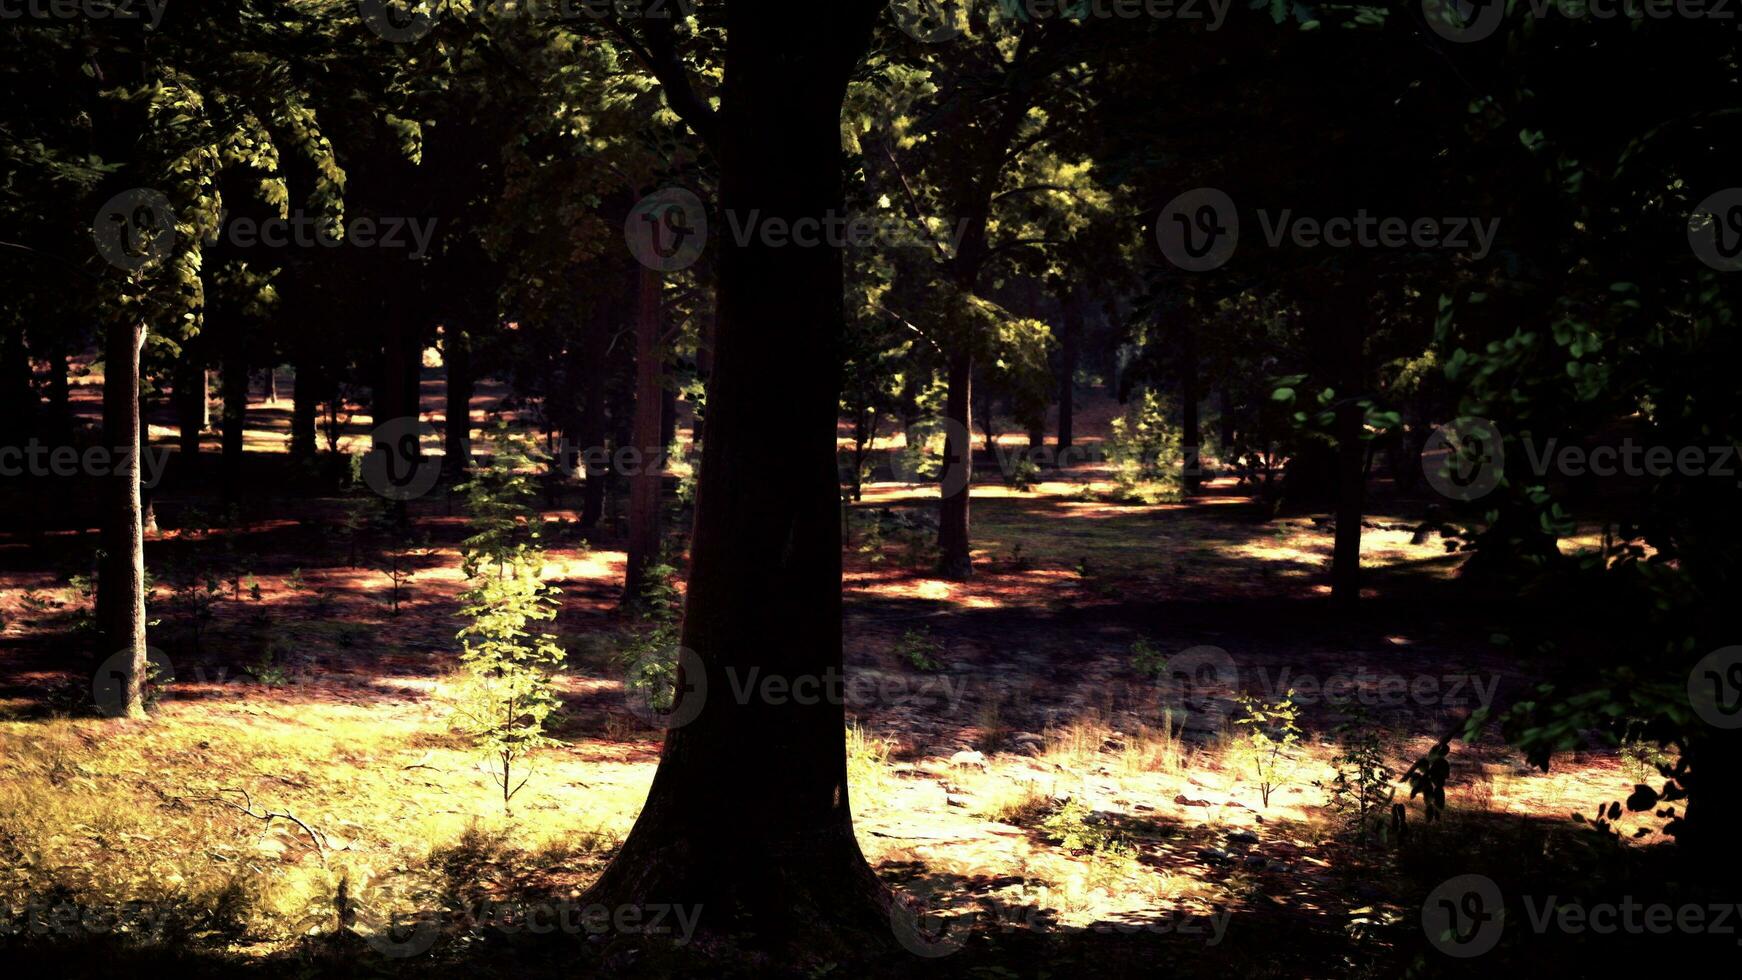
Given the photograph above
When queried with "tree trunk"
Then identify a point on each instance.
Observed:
(305, 410)
(121, 582)
(748, 814)
(1191, 431)
(235, 394)
(18, 401)
(1068, 346)
(954, 559)
(1346, 329)
(590, 435)
(644, 482)
(457, 438)
(60, 406)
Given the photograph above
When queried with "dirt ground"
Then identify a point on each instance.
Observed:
(1023, 768)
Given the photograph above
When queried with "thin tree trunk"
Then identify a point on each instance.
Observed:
(235, 394)
(591, 430)
(457, 439)
(954, 558)
(1069, 344)
(643, 548)
(60, 411)
(121, 582)
(1191, 434)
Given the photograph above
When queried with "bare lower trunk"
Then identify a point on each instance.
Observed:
(643, 549)
(954, 559)
(304, 411)
(235, 389)
(1068, 345)
(457, 439)
(121, 584)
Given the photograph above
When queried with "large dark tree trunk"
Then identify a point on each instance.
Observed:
(60, 407)
(643, 546)
(305, 409)
(19, 404)
(748, 814)
(121, 581)
(954, 559)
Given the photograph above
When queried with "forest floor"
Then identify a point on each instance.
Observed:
(1021, 767)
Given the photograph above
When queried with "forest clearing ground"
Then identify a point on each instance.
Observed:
(1015, 767)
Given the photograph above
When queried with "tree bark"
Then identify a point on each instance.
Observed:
(235, 415)
(1191, 431)
(1069, 343)
(234, 383)
(121, 581)
(954, 558)
(748, 814)
(643, 547)
(590, 435)
(18, 400)
(457, 437)
(305, 410)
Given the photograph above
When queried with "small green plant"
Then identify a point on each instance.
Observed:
(399, 563)
(1145, 452)
(920, 650)
(1268, 743)
(1645, 760)
(1024, 474)
(1147, 660)
(268, 668)
(1362, 787)
(650, 651)
(507, 689)
(867, 762)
